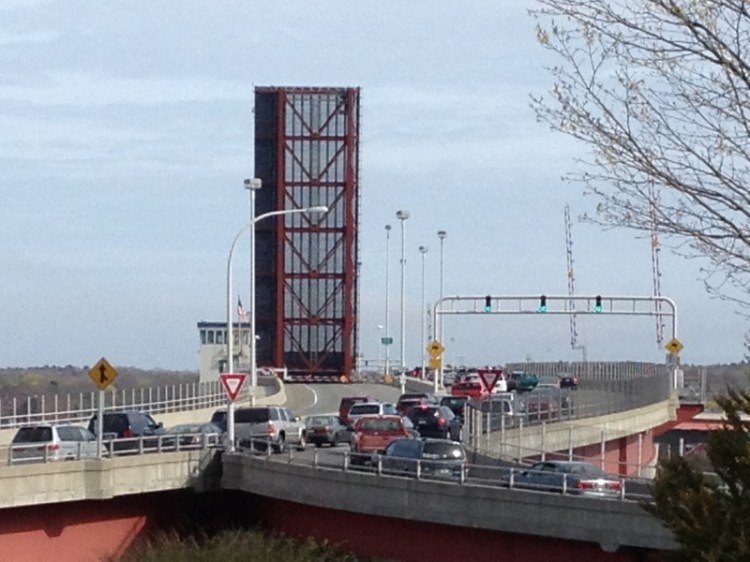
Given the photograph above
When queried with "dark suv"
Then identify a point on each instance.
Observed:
(437, 458)
(431, 420)
(411, 399)
(128, 424)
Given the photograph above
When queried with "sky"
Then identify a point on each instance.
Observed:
(127, 132)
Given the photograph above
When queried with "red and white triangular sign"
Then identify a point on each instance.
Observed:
(232, 383)
(490, 377)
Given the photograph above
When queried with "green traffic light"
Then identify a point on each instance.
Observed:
(542, 304)
(598, 304)
(488, 303)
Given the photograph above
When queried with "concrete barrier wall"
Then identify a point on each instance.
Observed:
(609, 523)
(95, 479)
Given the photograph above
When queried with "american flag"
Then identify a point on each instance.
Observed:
(241, 312)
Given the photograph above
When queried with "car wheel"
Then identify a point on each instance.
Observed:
(302, 442)
(318, 444)
(280, 445)
(335, 442)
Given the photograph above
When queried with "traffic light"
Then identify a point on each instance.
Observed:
(598, 304)
(488, 303)
(542, 303)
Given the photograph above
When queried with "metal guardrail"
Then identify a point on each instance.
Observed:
(114, 447)
(81, 407)
(629, 489)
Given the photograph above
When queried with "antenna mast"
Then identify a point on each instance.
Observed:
(571, 285)
(655, 270)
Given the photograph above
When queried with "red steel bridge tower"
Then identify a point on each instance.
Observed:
(307, 154)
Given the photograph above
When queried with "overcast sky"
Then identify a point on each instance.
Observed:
(127, 131)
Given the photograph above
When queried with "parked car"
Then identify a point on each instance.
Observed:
(474, 389)
(441, 458)
(569, 381)
(197, 435)
(520, 381)
(258, 427)
(326, 430)
(347, 402)
(410, 399)
(573, 477)
(52, 442)
(370, 409)
(436, 421)
(371, 435)
(129, 425)
(457, 404)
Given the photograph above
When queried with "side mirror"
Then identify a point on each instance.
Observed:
(160, 425)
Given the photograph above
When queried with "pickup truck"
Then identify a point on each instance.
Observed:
(521, 381)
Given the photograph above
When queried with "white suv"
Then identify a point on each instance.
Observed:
(274, 424)
(362, 409)
(49, 442)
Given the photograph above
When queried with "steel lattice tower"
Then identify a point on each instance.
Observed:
(307, 154)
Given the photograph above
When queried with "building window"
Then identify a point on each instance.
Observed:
(203, 337)
(210, 336)
(219, 337)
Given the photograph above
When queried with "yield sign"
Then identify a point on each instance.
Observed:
(232, 383)
(490, 377)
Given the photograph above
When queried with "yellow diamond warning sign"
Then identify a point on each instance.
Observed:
(674, 346)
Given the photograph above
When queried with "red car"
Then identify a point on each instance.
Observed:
(474, 389)
(373, 433)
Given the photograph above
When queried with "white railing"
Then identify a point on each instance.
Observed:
(72, 408)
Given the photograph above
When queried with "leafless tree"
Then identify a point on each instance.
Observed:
(659, 91)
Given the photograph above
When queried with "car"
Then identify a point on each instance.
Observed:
(499, 411)
(370, 409)
(572, 477)
(326, 430)
(457, 404)
(347, 402)
(521, 381)
(432, 420)
(409, 399)
(440, 458)
(52, 442)
(129, 425)
(544, 403)
(474, 389)
(569, 381)
(197, 435)
(260, 426)
(371, 435)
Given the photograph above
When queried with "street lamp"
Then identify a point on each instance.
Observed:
(402, 215)
(388, 341)
(230, 336)
(441, 235)
(380, 345)
(423, 315)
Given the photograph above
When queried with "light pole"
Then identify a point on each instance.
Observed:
(230, 335)
(380, 345)
(403, 216)
(441, 235)
(387, 367)
(252, 186)
(423, 315)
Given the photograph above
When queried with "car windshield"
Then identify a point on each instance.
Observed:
(316, 421)
(378, 424)
(186, 428)
(457, 402)
(251, 416)
(424, 413)
(364, 409)
(442, 451)
(33, 435)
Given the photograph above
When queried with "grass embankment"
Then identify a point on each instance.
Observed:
(236, 545)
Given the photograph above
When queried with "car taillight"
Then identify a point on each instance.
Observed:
(585, 485)
(270, 428)
(613, 485)
(442, 421)
(128, 433)
(53, 447)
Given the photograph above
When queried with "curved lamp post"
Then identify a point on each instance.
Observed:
(230, 335)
